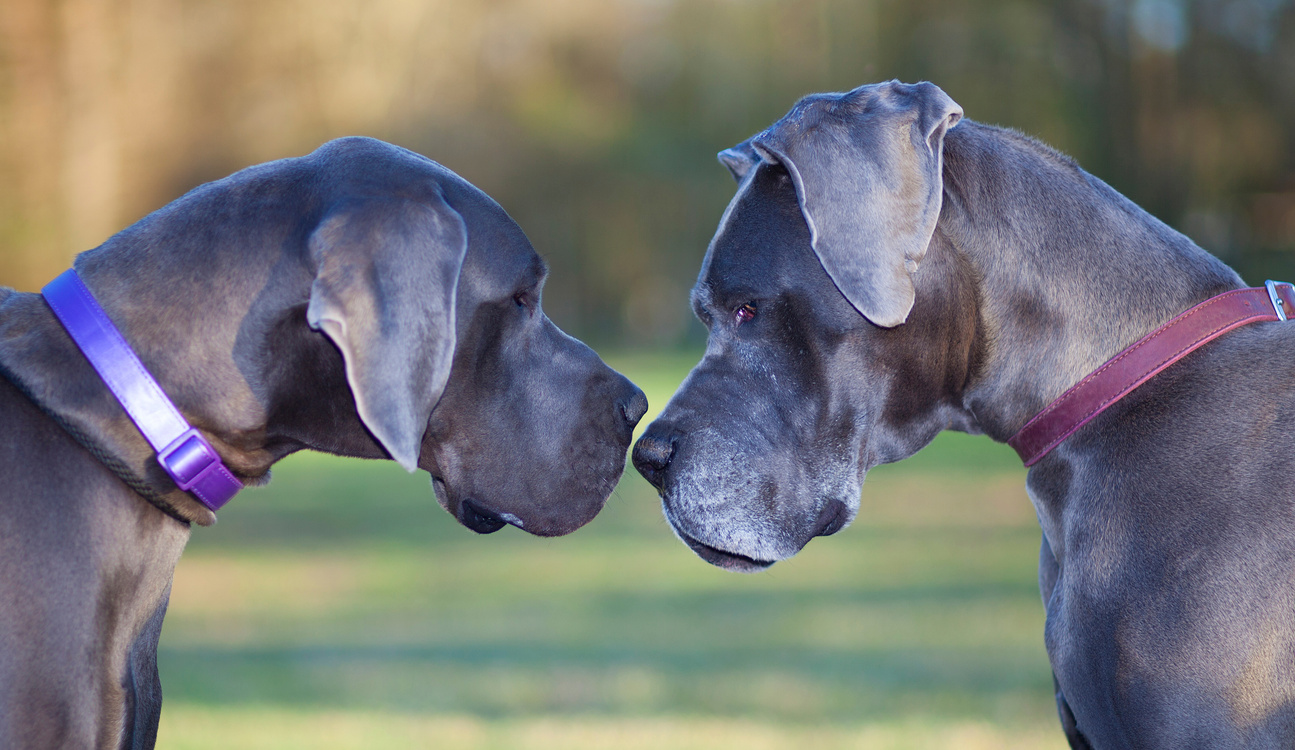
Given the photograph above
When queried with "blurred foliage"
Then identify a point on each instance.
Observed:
(595, 122)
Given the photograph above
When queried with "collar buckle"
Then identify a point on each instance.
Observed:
(188, 458)
(1278, 305)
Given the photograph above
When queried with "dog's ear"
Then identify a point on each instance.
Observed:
(739, 159)
(384, 294)
(867, 170)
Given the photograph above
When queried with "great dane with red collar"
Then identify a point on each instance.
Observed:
(887, 271)
(362, 300)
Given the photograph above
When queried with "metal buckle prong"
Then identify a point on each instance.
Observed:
(1278, 305)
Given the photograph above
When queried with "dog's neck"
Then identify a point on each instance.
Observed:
(1069, 271)
(234, 355)
(40, 359)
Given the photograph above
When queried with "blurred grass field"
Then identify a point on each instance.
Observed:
(340, 607)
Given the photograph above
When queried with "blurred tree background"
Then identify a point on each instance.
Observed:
(595, 122)
(339, 607)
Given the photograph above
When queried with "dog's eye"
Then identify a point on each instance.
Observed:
(744, 314)
(522, 300)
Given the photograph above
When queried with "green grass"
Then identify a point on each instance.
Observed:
(341, 607)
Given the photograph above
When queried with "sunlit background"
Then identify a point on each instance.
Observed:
(595, 122)
(341, 608)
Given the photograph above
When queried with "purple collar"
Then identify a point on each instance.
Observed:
(181, 450)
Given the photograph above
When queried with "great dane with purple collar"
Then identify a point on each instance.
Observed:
(888, 270)
(363, 301)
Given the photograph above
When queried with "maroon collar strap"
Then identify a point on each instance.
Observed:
(1140, 362)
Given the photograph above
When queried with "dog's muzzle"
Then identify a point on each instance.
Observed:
(716, 556)
(832, 518)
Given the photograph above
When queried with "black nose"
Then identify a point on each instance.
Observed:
(652, 456)
(633, 405)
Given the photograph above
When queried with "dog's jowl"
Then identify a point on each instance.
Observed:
(888, 270)
(363, 301)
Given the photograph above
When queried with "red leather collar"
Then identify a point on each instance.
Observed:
(1141, 361)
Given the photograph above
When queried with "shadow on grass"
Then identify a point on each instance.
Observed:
(786, 683)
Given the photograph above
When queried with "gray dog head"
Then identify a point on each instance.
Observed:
(375, 304)
(803, 290)
(433, 299)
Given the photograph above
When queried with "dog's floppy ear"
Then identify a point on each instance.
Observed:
(739, 159)
(384, 294)
(867, 170)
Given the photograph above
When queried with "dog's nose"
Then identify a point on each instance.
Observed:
(633, 405)
(652, 455)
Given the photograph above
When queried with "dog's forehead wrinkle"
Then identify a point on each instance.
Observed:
(702, 298)
(534, 275)
(742, 190)
(763, 265)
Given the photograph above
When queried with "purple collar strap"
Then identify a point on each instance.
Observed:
(181, 450)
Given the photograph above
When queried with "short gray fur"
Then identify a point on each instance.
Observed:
(1167, 567)
(362, 300)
